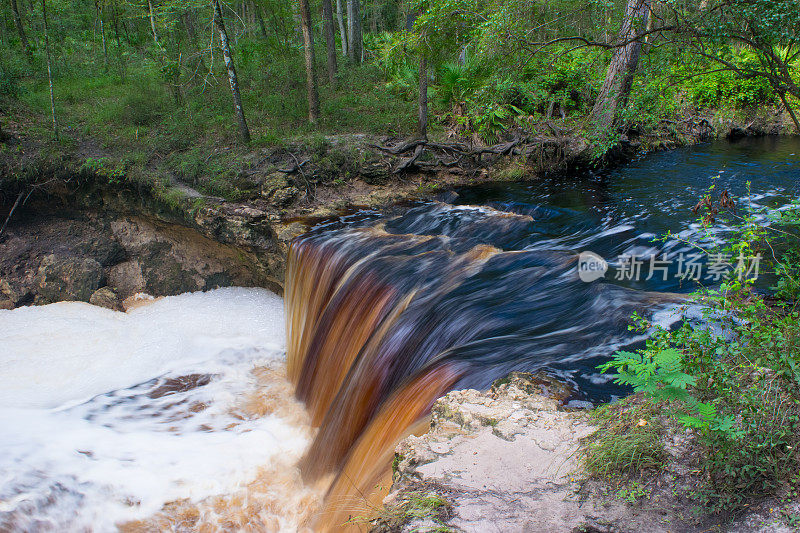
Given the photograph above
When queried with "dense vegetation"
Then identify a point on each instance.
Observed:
(150, 76)
(732, 379)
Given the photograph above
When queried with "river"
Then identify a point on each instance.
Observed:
(180, 413)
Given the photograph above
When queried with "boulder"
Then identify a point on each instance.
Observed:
(127, 278)
(106, 297)
(67, 278)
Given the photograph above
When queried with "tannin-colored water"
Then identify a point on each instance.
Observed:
(234, 410)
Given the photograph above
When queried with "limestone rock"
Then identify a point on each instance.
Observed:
(127, 277)
(106, 297)
(505, 459)
(67, 278)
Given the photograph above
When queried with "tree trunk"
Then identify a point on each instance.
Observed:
(422, 122)
(260, 20)
(782, 95)
(330, 38)
(311, 73)
(49, 71)
(152, 17)
(226, 55)
(342, 32)
(624, 61)
(119, 42)
(355, 41)
(20, 29)
(102, 34)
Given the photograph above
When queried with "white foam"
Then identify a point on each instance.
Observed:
(90, 438)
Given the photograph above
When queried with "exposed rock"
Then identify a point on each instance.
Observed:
(506, 460)
(127, 277)
(45, 258)
(106, 297)
(287, 232)
(172, 259)
(67, 278)
(273, 182)
(12, 294)
(285, 196)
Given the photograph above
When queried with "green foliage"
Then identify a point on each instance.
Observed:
(455, 82)
(629, 441)
(632, 493)
(405, 82)
(411, 505)
(144, 105)
(491, 122)
(727, 89)
(113, 171)
(9, 81)
(735, 376)
(785, 243)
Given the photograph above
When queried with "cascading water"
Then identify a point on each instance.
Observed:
(387, 313)
(181, 415)
(381, 325)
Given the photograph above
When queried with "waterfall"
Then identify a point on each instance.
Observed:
(385, 317)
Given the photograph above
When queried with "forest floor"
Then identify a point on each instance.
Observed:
(314, 174)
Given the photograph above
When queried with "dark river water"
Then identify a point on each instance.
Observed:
(523, 306)
(621, 211)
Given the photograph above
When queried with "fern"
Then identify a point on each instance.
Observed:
(659, 375)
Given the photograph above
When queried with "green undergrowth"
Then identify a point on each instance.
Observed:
(628, 442)
(731, 380)
(424, 510)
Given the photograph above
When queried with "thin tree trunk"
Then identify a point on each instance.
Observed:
(330, 38)
(152, 21)
(119, 42)
(226, 55)
(49, 71)
(311, 73)
(342, 32)
(20, 29)
(422, 122)
(102, 33)
(624, 61)
(355, 42)
(259, 19)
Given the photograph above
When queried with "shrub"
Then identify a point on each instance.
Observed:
(734, 377)
(629, 440)
(728, 89)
